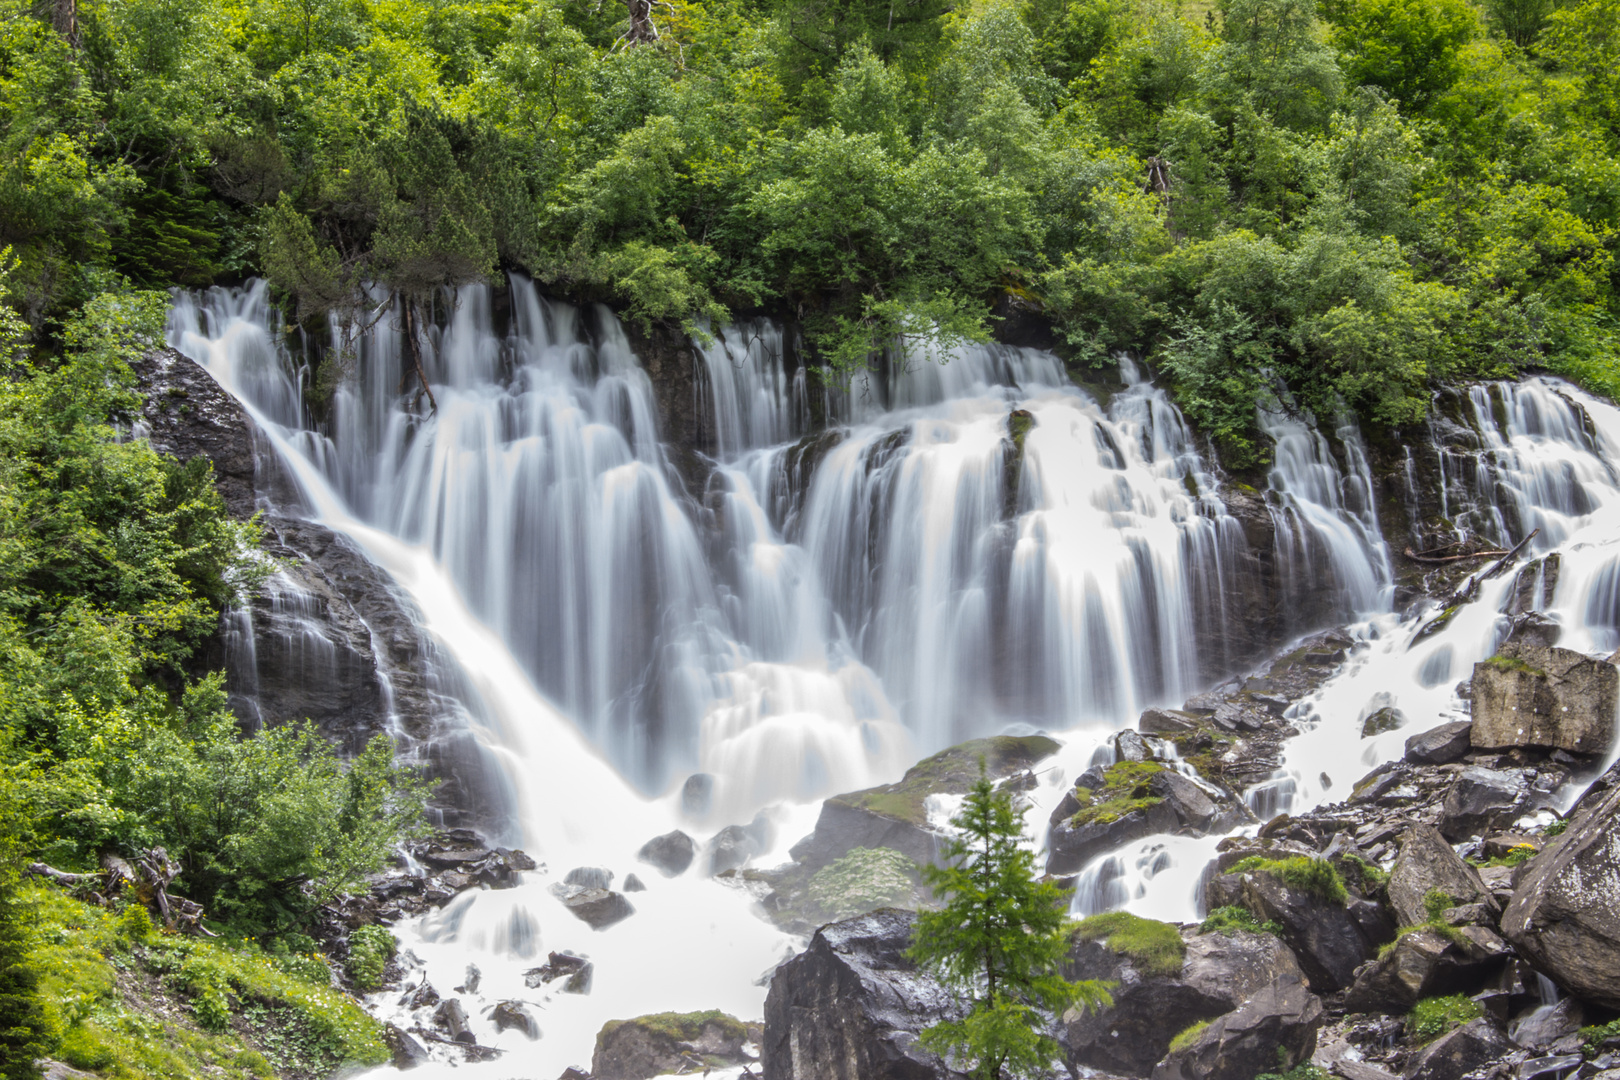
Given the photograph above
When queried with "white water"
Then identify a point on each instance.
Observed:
(822, 622)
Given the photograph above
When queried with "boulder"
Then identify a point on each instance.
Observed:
(1129, 746)
(1388, 718)
(1324, 934)
(895, 815)
(850, 1006)
(1070, 846)
(1423, 963)
(1532, 695)
(1548, 1023)
(1564, 916)
(1550, 1067)
(1441, 745)
(600, 908)
(632, 883)
(1166, 722)
(651, 1046)
(730, 848)
(1456, 1054)
(576, 970)
(1219, 972)
(1483, 800)
(403, 1049)
(671, 853)
(1271, 1032)
(513, 1014)
(1428, 864)
(1128, 801)
(589, 877)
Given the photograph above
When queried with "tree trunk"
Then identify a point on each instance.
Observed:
(65, 18)
(415, 348)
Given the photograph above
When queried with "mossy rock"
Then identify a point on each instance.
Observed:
(949, 772)
(1126, 789)
(1156, 948)
(862, 881)
(660, 1043)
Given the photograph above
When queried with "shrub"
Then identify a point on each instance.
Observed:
(1155, 946)
(1314, 876)
(1237, 918)
(370, 949)
(1433, 1017)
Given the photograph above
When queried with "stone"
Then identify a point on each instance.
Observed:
(649, 1046)
(730, 848)
(576, 970)
(1324, 935)
(697, 794)
(1183, 806)
(1271, 1032)
(1129, 746)
(599, 908)
(1458, 1053)
(513, 1014)
(574, 1072)
(1499, 845)
(1388, 718)
(1546, 1024)
(1428, 864)
(1423, 963)
(1219, 972)
(851, 1005)
(1534, 628)
(403, 1049)
(1070, 847)
(1532, 695)
(423, 996)
(470, 980)
(1480, 800)
(1551, 1067)
(1360, 1070)
(671, 853)
(452, 1018)
(1166, 722)
(1441, 745)
(1564, 916)
(632, 883)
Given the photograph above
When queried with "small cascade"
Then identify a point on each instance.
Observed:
(749, 397)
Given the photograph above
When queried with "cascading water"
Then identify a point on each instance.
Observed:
(976, 545)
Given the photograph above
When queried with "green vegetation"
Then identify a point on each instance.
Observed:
(1188, 1036)
(1433, 1017)
(682, 1027)
(370, 949)
(1512, 663)
(1125, 790)
(999, 940)
(1435, 906)
(1155, 947)
(951, 770)
(1372, 879)
(1303, 1071)
(1314, 876)
(122, 998)
(1227, 919)
(1593, 1036)
(863, 880)
(1555, 829)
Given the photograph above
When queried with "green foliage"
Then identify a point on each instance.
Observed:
(370, 948)
(1433, 1017)
(1593, 1036)
(999, 939)
(1188, 1036)
(1125, 790)
(1303, 1071)
(1225, 919)
(1311, 875)
(1555, 829)
(863, 880)
(1155, 946)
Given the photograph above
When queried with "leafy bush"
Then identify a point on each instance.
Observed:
(1433, 1017)
(370, 949)
(1311, 875)
(1155, 946)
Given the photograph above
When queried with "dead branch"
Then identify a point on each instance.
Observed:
(1471, 586)
(415, 348)
(1435, 560)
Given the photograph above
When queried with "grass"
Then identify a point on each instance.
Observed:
(129, 1002)
(1433, 1017)
(1555, 829)
(1594, 1036)
(1314, 876)
(1512, 663)
(1435, 904)
(1126, 789)
(953, 770)
(1227, 919)
(1188, 1036)
(1373, 879)
(1155, 947)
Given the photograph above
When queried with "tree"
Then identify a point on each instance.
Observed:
(1001, 938)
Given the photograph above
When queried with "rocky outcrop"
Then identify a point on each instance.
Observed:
(1219, 972)
(1424, 963)
(1272, 1031)
(1329, 935)
(1113, 806)
(1458, 1053)
(1427, 865)
(1441, 745)
(1565, 911)
(1532, 695)
(850, 1006)
(663, 1043)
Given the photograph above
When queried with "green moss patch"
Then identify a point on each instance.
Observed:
(1512, 663)
(1188, 1036)
(1126, 789)
(951, 771)
(1315, 876)
(863, 880)
(1229, 919)
(1433, 1017)
(1155, 947)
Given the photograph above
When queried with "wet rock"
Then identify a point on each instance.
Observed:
(671, 853)
(1271, 1032)
(1428, 864)
(574, 1072)
(1456, 1054)
(452, 1019)
(1219, 972)
(1565, 912)
(1129, 746)
(1166, 722)
(423, 996)
(730, 848)
(1499, 845)
(649, 1046)
(1441, 745)
(697, 794)
(1423, 963)
(1551, 1067)
(1125, 802)
(599, 908)
(405, 1051)
(632, 883)
(1531, 695)
(470, 980)
(1534, 628)
(1550, 1023)
(576, 971)
(1071, 846)
(513, 1014)
(1388, 718)
(1480, 800)
(1324, 935)
(850, 1006)
(894, 815)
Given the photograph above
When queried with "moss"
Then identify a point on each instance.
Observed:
(1156, 947)
(123, 999)
(1225, 919)
(1372, 878)
(1433, 1017)
(863, 880)
(1188, 1036)
(1435, 904)
(1314, 876)
(1126, 789)
(1595, 1035)
(1434, 926)
(950, 771)
(682, 1027)
(1512, 663)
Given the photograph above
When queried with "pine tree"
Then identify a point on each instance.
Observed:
(1000, 938)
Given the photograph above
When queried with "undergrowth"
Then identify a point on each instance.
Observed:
(1238, 918)
(1156, 947)
(1433, 1017)
(1593, 1036)
(1126, 789)
(1314, 876)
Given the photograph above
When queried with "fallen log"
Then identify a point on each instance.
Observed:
(1433, 559)
(1471, 586)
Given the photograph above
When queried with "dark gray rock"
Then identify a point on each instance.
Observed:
(1441, 745)
(1271, 1032)
(589, 877)
(1531, 695)
(1482, 800)
(667, 1043)
(730, 848)
(1456, 1054)
(1428, 864)
(513, 1014)
(1550, 1067)
(671, 853)
(599, 908)
(1129, 746)
(1548, 1023)
(576, 971)
(1325, 937)
(1388, 718)
(403, 1049)
(1218, 974)
(1166, 722)
(632, 883)
(1565, 912)
(1070, 847)
(850, 1006)
(1423, 963)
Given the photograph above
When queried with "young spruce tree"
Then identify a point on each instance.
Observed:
(1000, 938)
